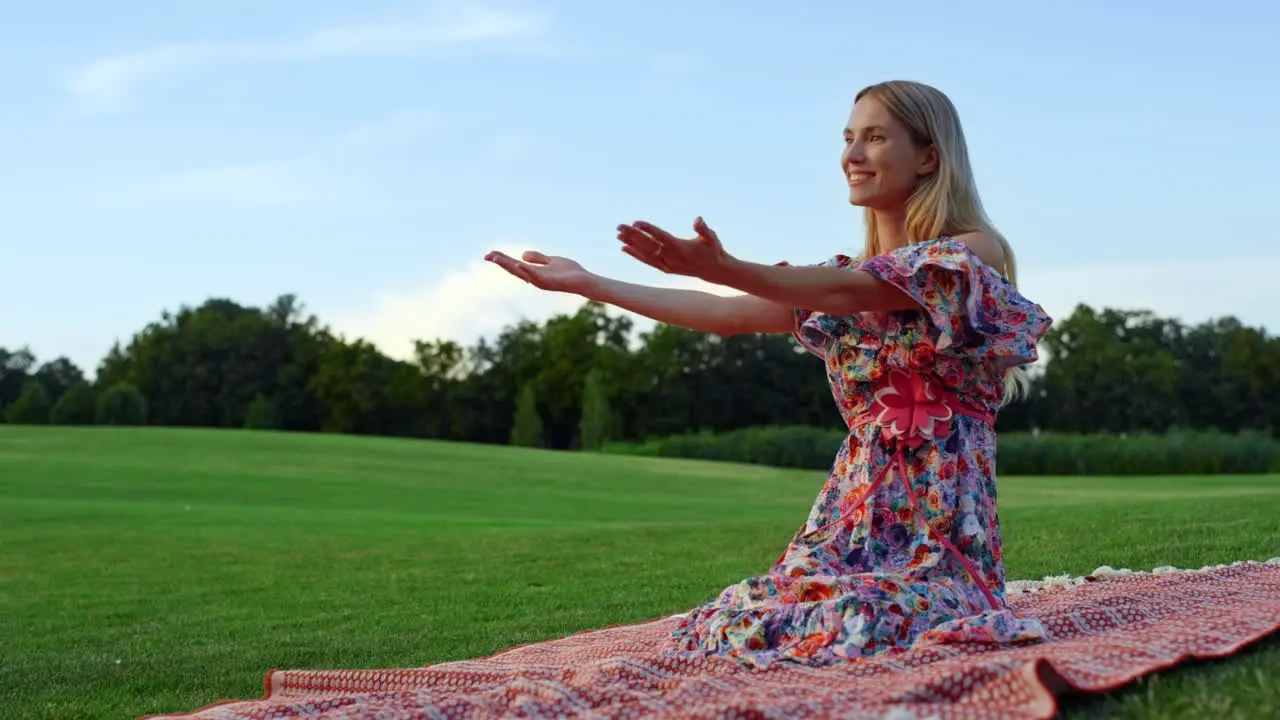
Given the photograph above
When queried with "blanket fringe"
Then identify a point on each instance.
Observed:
(1106, 572)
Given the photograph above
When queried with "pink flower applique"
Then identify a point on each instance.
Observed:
(911, 408)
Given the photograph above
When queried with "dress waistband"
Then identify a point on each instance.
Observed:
(911, 408)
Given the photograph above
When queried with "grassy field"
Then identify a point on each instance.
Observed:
(153, 570)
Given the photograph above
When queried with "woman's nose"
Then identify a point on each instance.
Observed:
(853, 153)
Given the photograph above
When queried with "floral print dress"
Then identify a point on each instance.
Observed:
(902, 546)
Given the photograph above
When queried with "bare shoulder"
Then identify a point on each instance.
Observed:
(986, 245)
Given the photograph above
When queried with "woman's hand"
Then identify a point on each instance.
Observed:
(702, 257)
(556, 274)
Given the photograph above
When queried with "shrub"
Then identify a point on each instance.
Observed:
(262, 414)
(32, 406)
(1175, 453)
(593, 428)
(122, 404)
(526, 428)
(77, 406)
(794, 446)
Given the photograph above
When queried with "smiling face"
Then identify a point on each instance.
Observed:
(882, 161)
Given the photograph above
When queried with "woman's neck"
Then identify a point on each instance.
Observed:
(891, 229)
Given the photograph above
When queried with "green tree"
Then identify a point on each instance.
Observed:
(203, 366)
(514, 359)
(58, 376)
(527, 429)
(593, 428)
(77, 406)
(443, 374)
(32, 406)
(571, 346)
(16, 367)
(122, 404)
(262, 414)
(365, 392)
(1103, 370)
(1113, 371)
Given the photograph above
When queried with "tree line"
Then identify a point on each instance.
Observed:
(578, 380)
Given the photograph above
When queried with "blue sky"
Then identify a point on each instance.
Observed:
(366, 155)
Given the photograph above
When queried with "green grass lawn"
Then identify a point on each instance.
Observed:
(146, 571)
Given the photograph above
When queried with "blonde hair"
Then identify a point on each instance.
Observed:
(944, 202)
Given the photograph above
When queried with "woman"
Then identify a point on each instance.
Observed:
(924, 336)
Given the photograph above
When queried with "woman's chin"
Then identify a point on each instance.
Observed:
(871, 200)
(858, 199)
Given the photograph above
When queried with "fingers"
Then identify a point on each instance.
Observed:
(649, 238)
(638, 239)
(529, 257)
(515, 267)
(654, 231)
(706, 235)
(653, 261)
(643, 247)
(704, 231)
(502, 260)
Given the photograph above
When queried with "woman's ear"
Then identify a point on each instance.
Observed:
(928, 160)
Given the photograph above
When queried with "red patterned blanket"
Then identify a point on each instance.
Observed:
(1106, 631)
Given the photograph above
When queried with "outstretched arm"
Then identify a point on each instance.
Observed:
(828, 290)
(822, 289)
(834, 291)
(691, 309)
(837, 291)
(694, 309)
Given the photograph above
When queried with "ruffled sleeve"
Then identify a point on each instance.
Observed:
(814, 330)
(977, 312)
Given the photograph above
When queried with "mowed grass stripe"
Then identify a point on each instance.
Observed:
(156, 570)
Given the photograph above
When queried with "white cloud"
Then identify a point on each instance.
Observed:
(480, 299)
(106, 82)
(452, 24)
(468, 303)
(445, 26)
